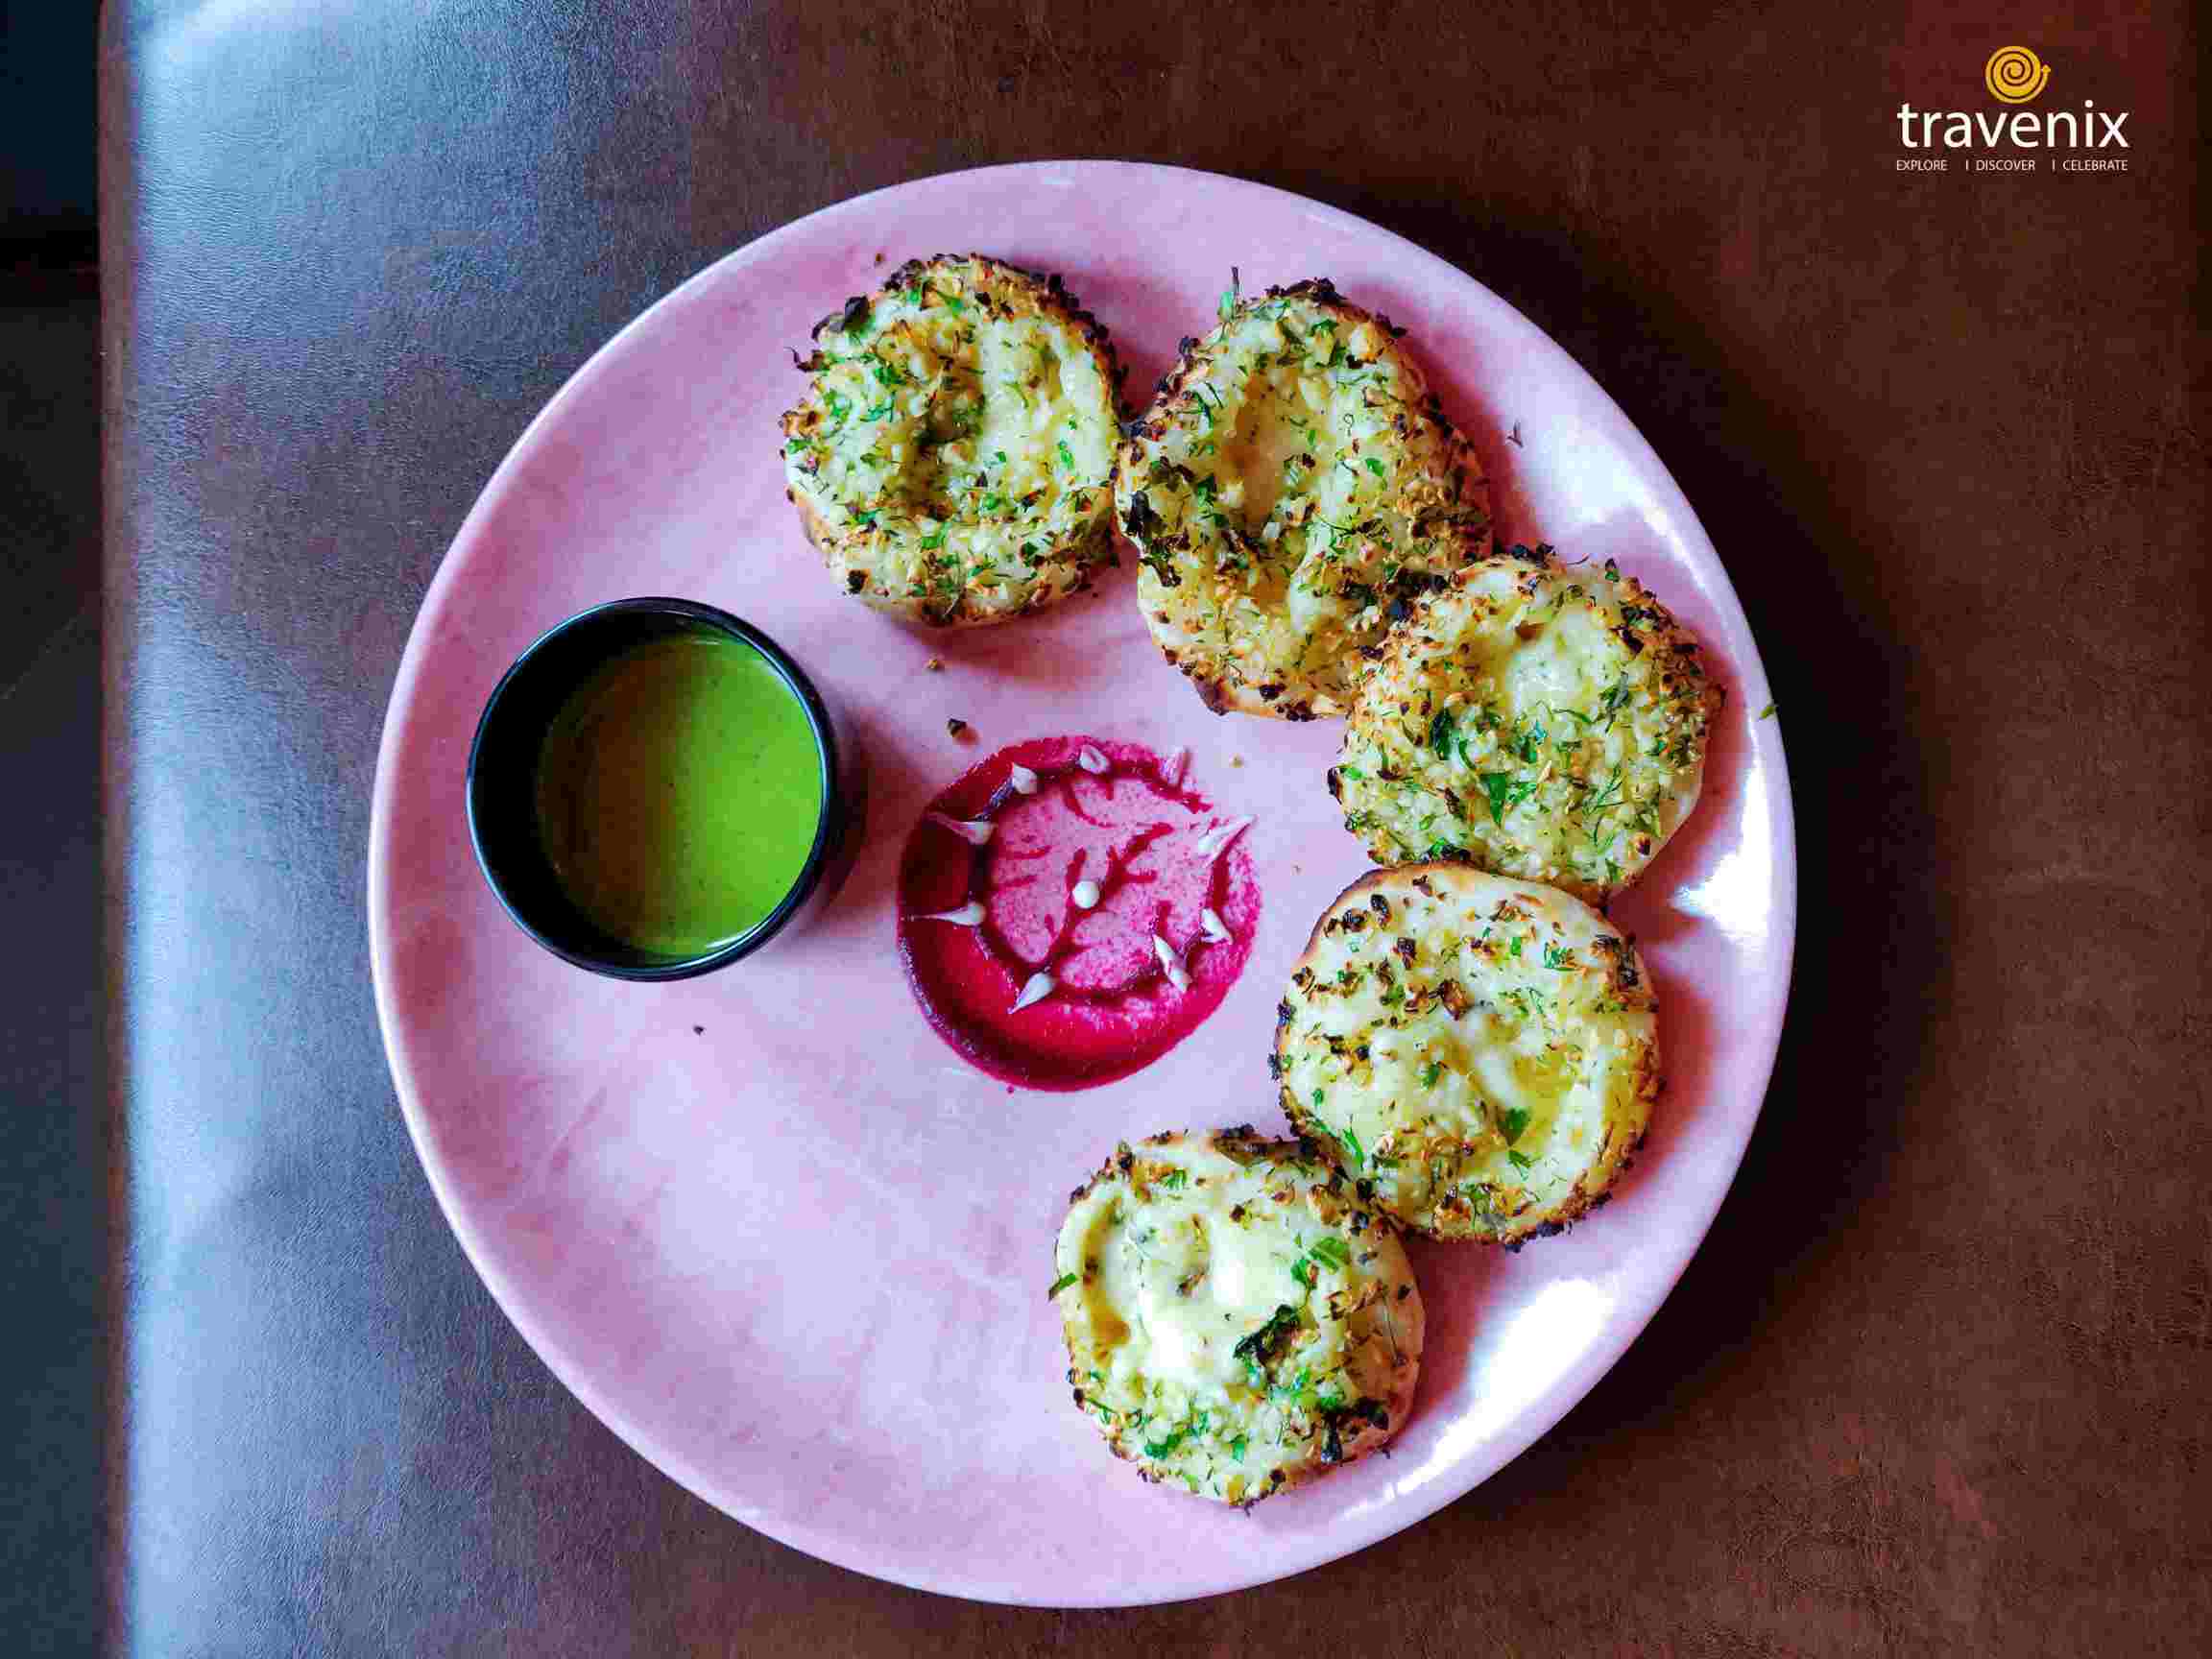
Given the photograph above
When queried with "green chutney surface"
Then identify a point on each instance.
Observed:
(678, 792)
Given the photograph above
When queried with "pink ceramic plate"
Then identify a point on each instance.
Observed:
(766, 1223)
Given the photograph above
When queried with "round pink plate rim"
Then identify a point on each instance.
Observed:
(858, 1520)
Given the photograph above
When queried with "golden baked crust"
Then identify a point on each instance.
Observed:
(1292, 486)
(1482, 1053)
(1539, 720)
(1238, 1318)
(951, 457)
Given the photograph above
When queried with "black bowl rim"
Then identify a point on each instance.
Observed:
(826, 829)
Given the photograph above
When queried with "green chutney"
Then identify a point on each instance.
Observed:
(678, 792)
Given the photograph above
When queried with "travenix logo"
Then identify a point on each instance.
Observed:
(2013, 75)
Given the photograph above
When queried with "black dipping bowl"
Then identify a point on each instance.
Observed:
(503, 787)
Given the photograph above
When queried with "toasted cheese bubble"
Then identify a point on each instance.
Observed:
(1539, 720)
(952, 455)
(1237, 1319)
(1292, 486)
(1482, 1053)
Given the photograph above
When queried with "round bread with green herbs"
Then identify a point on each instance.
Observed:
(1238, 1318)
(1294, 484)
(1481, 1053)
(1539, 720)
(953, 453)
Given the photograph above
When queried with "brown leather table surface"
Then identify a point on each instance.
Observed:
(1938, 1381)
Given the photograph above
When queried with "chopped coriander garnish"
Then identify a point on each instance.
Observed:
(1604, 797)
(1768, 712)
(1263, 1345)
(1431, 1072)
(1331, 1250)
(1374, 466)
(1521, 1160)
(1503, 790)
(1059, 1285)
(1511, 1121)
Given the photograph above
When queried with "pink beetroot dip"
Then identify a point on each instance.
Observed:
(1161, 857)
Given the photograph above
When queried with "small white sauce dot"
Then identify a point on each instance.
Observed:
(1170, 963)
(1086, 895)
(1040, 987)
(1090, 760)
(972, 830)
(1023, 779)
(1220, 835)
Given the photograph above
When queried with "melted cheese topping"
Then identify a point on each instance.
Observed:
(1545, 723)
(1293, 482)
(1483, 1052)
(1182, 1294)
(955, 446)
(1234, 1322)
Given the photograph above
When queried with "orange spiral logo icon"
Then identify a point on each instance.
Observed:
(2014, 74)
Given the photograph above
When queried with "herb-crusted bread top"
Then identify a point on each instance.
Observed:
(1483, 1054)
(1238, 1318)
(951, 457)
(1293, 484)
(1542, 721)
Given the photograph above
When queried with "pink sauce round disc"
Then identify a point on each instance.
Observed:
(1103, 917)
